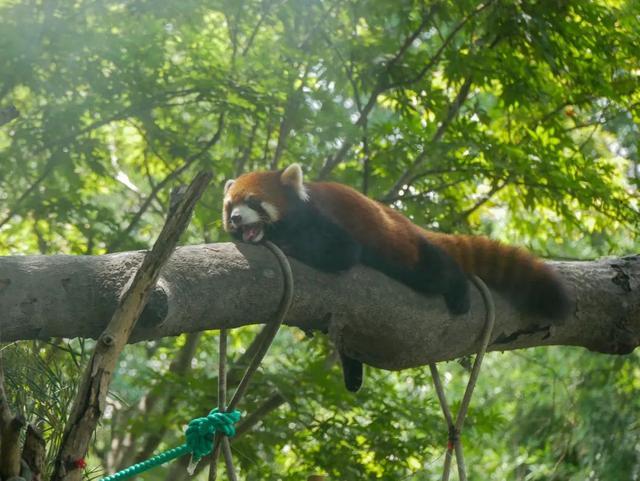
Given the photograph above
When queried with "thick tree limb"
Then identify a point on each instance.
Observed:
(372, 317)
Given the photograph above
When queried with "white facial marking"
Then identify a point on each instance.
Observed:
(247, 214)
(271, 210)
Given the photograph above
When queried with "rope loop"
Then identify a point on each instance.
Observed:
(455, 427)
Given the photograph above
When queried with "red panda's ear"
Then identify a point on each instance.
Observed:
(228, 185)
(293, 177)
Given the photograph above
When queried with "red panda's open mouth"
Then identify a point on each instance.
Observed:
(252, 232)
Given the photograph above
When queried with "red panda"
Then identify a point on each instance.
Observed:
(332, 227)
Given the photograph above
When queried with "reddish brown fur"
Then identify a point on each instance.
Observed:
(264, 185)
(393, 236)
(500, 265)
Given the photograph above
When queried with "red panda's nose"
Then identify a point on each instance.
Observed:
(236, 219)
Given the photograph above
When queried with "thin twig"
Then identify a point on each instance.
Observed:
(383, 86)
(222, 401)
(160, 185)
(452, 112)
(436, 57)
(271, 404)
(293, 101)
(246, 152)
(380, 87)
(483, 200)
(65, 141)
(90, 398)
(178, 367)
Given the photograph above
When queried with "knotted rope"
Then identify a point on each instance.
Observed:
(199, 442)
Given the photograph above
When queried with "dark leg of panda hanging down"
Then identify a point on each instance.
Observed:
(352, 371)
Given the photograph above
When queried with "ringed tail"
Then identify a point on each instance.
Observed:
(530, 284)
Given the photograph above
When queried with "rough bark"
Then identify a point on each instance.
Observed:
(371, 316)
(34, 452)
(10, 429)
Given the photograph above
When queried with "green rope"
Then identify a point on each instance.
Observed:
(199, 442)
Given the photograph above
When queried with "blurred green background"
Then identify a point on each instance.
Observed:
(513, 119)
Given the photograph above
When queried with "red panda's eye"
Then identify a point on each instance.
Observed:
(253, 202)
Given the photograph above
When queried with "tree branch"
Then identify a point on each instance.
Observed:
(294, 98)
(368, 315)
(245, 153)
(179, 367)
(383, 86)
(497, 187)
(452, 111)
(34, 452)
(436, 56)
(380, 87)
(253, 418)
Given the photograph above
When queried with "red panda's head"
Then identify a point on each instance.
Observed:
(257, 199)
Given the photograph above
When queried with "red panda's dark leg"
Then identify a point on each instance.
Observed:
(352, 372)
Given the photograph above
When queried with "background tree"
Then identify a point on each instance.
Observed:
(514, 119)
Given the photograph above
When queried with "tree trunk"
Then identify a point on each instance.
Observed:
(370, 316)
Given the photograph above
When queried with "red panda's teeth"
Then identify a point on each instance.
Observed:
(251, 233)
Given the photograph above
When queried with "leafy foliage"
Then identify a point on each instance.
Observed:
(516, 119)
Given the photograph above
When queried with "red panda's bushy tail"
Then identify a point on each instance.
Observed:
(527, 281)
